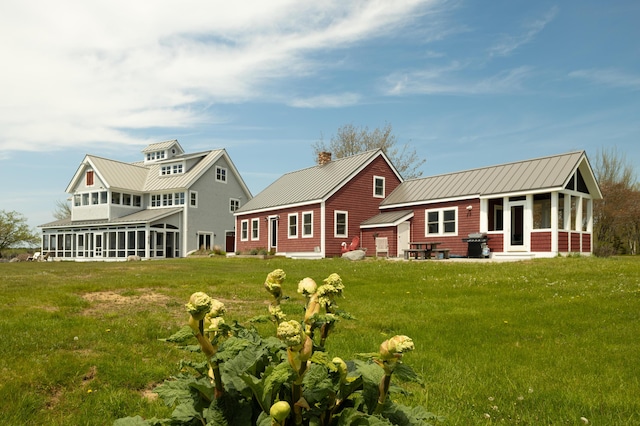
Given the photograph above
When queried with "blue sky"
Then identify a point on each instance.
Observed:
(466, 83)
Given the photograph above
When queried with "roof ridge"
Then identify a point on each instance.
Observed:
(348, 157)
(134, 164)
(546, 157)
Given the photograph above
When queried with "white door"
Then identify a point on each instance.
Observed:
(403, 237)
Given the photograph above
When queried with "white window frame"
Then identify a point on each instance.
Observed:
(255, 226)
(335, 223)
(304, 234)
(441, 232)
(221, 174)
(244, 230)
(193, 199)
(293, 234)
(234, 204)
(384, 186)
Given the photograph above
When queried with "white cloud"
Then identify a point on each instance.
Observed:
(327, 101)
(509, 43)
(450, 80)
(609, 77)
(77, 72)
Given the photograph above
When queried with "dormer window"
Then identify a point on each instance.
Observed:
(156, 155)
(172, 169)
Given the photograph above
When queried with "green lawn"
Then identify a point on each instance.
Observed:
(542, 342)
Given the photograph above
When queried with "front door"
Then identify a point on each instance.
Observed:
(517, 230)
(273, 234)
(404, 233)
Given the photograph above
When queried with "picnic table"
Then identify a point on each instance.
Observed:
(421, 249)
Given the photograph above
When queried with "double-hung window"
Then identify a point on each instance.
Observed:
(293, 225)
(307, 224)
(341, 223)
(255, 229)
(441, 222)
(244, 230)
(378, 187)
(234, 204)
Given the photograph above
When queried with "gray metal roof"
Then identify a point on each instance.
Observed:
(138, 177)
(160, 146)
(387, 218)
(142, 216)
(156, 182)
(312, 184)
(530, 175)
(120, 175)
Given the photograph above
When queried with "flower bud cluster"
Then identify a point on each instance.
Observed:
(199, 305)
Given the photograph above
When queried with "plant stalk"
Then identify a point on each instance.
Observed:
(384, 390)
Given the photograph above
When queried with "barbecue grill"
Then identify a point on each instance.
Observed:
(477, 245)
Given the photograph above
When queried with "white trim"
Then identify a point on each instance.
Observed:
(242, 223)
(310, 212)
(384, 186)
(289, 234)
(193, 204)
(237, 200)
(441, 232)
(223, 171)
(255, 220)
(335, 223)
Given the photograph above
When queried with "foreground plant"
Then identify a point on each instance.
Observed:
(246, 379)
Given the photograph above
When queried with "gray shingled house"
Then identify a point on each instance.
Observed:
(165, 206)
(535, 208)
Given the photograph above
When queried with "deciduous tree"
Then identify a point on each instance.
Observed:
(15, 231)
(617, 215)
(351, 139)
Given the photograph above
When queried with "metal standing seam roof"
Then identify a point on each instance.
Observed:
(159, 146)
(146, 178)
(118, 174)
(537, 174)
(311, 184)
(387, 218)
(156, 182)
(142, 216)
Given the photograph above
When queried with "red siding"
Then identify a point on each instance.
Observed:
(586, 243)
(356, 197)
(468, 222)
(575, 242)
(563, 241)
(541, 241)
(368, 240)
(496, 242)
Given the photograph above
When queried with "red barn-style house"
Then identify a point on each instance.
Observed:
(314, 212)
(536, 208)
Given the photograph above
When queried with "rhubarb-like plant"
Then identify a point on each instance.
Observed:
(288, 379)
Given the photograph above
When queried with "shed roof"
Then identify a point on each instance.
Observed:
(545, 173)
(312, 184)
(142, 216)
(387, 219)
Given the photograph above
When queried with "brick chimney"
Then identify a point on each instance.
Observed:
(324, 158)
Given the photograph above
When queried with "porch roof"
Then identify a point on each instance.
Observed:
(387, 219)
(142, 216)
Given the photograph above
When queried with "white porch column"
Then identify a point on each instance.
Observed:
(484, 215)
(554, 222)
